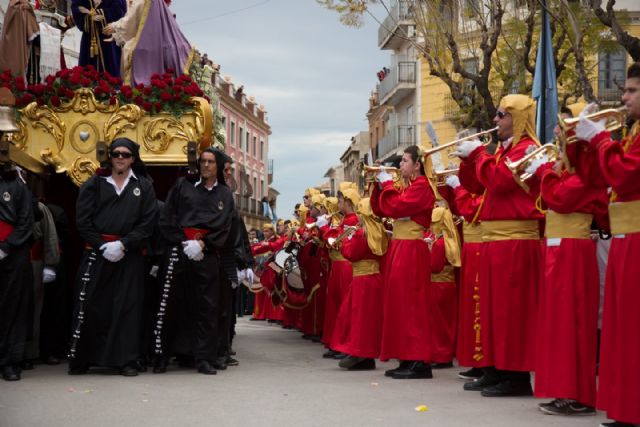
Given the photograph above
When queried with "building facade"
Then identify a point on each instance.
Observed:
(353, 157)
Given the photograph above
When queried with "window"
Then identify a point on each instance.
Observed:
(255, 188)
(261, 150)
(612, 66)
(263, 188)
(240, 134)
(246, 141)
(232, 134)
(255, 144)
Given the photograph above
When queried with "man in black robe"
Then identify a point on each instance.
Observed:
(195, 222)
(16, 276)
(115, 214)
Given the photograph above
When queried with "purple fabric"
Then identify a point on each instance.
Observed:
(161, 45)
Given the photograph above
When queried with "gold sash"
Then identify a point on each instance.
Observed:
(335, 255)
(472, 232)
(523, 229)
(406, 229)
(568, 226)
(365, 267)
(445, 276)
(624, 217)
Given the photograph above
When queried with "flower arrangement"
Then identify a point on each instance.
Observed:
(165, 93)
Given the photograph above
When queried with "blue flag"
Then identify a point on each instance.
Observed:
(545, 87)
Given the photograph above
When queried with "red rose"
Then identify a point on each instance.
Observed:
(55, 101)
(85, 82)
(140, 86)
(98, 91)
(65, 73)
(70, 93)
(20, 86)
(177, 98)
(112, 100)
(178, 89)
(74, 79)
(147, 91)
(155, 76)
(147, 106)
(40, 101)
(6, 76)
(208, 99)
(26, 99)
(88, 67)
(158, 107)
(165, 96)
(138, 100)
(62, 91)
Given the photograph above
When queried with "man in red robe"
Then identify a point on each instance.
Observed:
(511, 254)
(619, 163)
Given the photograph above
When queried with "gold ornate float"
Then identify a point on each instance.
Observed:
(64, 138)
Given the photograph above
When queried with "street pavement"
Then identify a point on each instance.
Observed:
(282, 381)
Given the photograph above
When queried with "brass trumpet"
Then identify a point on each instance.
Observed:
(369, 172)
(482, 134)
(335, 242)
(518, 168)
(440, 177)
(615, 120)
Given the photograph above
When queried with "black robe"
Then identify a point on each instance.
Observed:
(109, 320)
(192, 298)
(16, 275)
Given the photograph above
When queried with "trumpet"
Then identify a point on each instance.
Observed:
(348, 230)
(615, 120)
(440, 176)
(518, 168)
(369, 172)
(482, 134)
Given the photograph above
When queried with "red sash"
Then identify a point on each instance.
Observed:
(5, 230)
(195, 233)
(106, 238)
(37, 250)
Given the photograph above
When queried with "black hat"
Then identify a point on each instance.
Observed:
(138, 166)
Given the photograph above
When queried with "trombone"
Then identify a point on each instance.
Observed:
(615, 120)
(519, 167)
(483, 134)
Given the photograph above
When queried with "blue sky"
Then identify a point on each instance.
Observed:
(312, 74)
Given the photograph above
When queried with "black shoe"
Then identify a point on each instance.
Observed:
(441, 365)
(414, 371)
(204, 367)
(566, 407)
(220, 363)
(232, 352)
(230, 361)
(52, 360)
(616, 424)
(10, 373)
(316, 338)
(390, 372)
(357, 364)
(339, 356)
(508, 388)
(329, 354)
(350, 361)
(141, 366)
(471, 374)
(306, 336)
(130, 370)
(160, 366)
(77, 369)
(253, 319)
(185, 361)
(26, 365)
(272, 321)
(480, 384)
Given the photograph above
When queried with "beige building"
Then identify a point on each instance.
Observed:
(353, 158)
(335, 174)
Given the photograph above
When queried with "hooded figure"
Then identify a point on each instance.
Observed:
(138, 167)
(19, 30)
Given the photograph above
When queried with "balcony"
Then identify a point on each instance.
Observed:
(395, 28)
(609, 91)
(397, 139)
(398, 84)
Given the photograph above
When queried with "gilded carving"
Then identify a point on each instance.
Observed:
(19, 139)
(81, 170)
(83, 136)
(54, 159)
(160, 132)
(84, 102)
(47, 119)
(124, 118)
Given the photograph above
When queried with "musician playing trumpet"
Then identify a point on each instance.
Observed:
(619, 163)
(510, 254)
(569, 294)
(341, 273)
(407, 286)
(263, 308)
(359, 325)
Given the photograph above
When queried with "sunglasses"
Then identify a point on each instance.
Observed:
(120, 154)
(501, 114)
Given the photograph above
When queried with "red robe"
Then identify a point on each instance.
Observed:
(338, 282)
(443, 309)
(309, 260)
(407, 280)
(618, 386)
(358, 328)
(510, 266)
(263, 307)
(570, 291)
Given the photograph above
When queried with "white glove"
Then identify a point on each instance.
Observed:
(154, 271)
(97, 3)
(113, 251)
(452, 181)
(192, 250)
(466, 147)
(98, 18)
(240, 274)
(383, 176)
(536, 163)
(48, 275)
(587, 128)
(248, 274)
(3, 254)
(322, 220)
